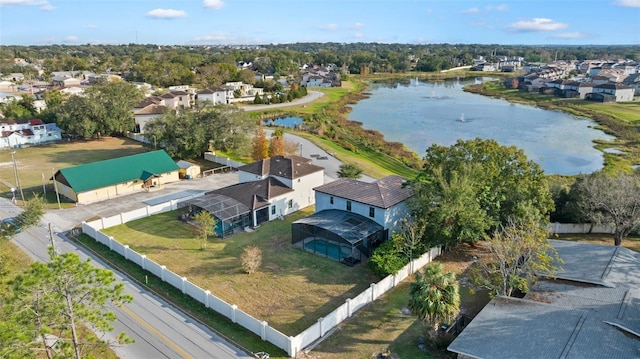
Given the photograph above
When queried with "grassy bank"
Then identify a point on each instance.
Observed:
(618, 119)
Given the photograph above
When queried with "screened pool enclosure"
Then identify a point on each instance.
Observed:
(342, 236)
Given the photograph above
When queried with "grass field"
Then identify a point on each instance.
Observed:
(291, 290)
(34, 162)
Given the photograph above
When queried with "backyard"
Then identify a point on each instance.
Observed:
(290, 291)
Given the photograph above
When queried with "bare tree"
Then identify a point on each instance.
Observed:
(610, 200)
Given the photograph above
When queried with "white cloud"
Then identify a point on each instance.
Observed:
(570, 35)
(501, 7)
(357, 25)
(213, 4)
(627, 3)
(330, 27)
(166, 14)
(43, 4)
(536, 24)
(71, 38)
(471, 10)
(90, 26)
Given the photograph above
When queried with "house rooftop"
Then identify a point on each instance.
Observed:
(254, 194)
(383, 193)
(117, 170)
(290, 167)
(590, 310)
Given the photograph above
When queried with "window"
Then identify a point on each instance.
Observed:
(372, 212)
(331, 200)
(349, 206)
(290, 203)
(273, 210)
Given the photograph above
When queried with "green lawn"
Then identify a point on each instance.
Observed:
(34, 162)
(291, 290)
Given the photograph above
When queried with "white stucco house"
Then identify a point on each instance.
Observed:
(214, 95)
(268, 189)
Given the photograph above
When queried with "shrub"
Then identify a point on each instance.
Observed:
(387, 260)
(251, 259)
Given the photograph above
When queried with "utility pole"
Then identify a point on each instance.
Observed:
(17, 178)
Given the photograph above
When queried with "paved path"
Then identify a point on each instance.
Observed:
(311, 96)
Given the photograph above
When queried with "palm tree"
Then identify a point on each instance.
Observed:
(434, 297)
(349, 170)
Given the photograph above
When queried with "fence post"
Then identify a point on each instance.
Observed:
(320, 327)
(348, 301)
(144, 261)
(102, 221)
(233, 312)
(263, 330)
(207, 294)
(292, 347)
(122, 218)
(111, 243)
(184, 280)
(126, 251)
(162, 275)
(373, 291)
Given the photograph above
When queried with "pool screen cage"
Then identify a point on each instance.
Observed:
(231, 215)
(342, 236)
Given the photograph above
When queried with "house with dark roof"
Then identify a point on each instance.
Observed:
(590, 309)
(268, 189)
(102, 180)
(352, 217)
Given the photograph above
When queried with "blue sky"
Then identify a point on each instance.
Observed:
(213, 22)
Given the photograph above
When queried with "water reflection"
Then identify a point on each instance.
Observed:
(419, 114)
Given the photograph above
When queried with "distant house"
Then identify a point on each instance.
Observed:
(27, 132)
(269, 189)
(145, 114)
(352, 217)
(589, 309)
(177, 99)
(102, 180)
(62, 81)
(214, 95)
(615, 91)
(576, 89)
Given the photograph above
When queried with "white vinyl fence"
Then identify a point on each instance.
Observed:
(210, 156)
(291, 345)
(579, 228)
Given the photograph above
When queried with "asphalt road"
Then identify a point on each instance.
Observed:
(160, 330)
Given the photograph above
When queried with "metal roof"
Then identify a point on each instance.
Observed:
(222, 207)
(117, 170)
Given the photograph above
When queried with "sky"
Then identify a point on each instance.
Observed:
(256, 22)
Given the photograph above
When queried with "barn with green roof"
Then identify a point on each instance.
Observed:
(106, 179)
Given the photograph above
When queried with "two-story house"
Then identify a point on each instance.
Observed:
(27, 132)
(268, 189)
(352, 218)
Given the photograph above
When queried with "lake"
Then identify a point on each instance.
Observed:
(419, 114)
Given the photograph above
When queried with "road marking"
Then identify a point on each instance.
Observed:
(157, 333)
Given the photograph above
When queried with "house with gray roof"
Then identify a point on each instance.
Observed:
(268, 189)
(591, 309)
(352, 217)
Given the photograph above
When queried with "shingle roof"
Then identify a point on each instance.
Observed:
(254, 194)
(591, 311)
(151, 110)
(117, 170)
(290, 167)
(383, 193)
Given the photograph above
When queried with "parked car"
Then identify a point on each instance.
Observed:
(10, 226)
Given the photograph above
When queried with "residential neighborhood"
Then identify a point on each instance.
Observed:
(318, 240)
